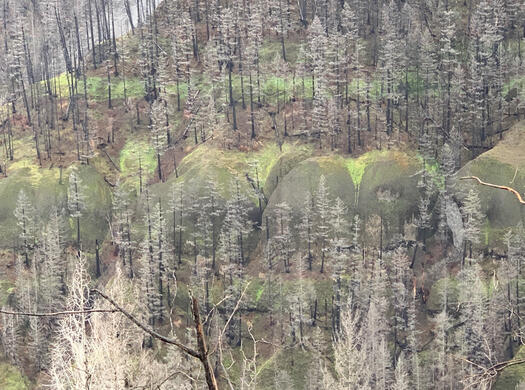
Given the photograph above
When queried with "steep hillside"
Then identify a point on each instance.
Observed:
(265, 194)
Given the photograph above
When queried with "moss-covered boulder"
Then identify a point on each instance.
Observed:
(304, 179)
(11, 378)
(376, 183)
(224, 167)
(231, 172)
(45, 188)
(386, 183)
(42, 187)
(291, 156)
(504, 165)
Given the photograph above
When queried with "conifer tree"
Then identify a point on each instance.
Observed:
(322, 232)
(473, 219)
(76, 200)
(159, 131)
(25, 216)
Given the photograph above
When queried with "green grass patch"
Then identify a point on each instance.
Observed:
(97, 87)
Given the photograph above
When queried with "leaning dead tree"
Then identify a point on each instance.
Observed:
(506, 188)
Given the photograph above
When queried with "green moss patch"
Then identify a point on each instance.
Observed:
(224, 166)
(304, 178)
(500, 207)
(11, 378)
(42, 188)
(6, 287)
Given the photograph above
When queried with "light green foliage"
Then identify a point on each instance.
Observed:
(11, 378)
(517, 83)
(434, 170)
(6, 287)
(97, 87)
(272, 48)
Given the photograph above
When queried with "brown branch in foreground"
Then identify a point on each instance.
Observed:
(146, 328)
(515, 192)
(202, 354)
(56, 314)
(203, 350)
(488, 374)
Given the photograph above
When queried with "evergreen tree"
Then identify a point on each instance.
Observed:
(76, 200)
(25, 216)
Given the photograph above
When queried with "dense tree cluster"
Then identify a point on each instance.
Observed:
(350, 75)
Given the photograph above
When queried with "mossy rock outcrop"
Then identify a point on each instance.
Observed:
(41, 187)
(225, 167)
(230, 171)
(376, 183)
(436, 299)
(304, 179)
(44, 188)
(387, 187)
(503, 165)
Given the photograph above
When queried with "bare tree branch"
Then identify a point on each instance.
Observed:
(147, 329)
(515, 192)
(56, 314)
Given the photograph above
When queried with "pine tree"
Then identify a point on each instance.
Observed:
(25, 215)
(389, 60)
(401, 377)
(159, 131)
(122, 226)
(306, 227)
(73, 345)
(339, 260)
(317, 57)
(76, 200)
(235, 228)
(322, 209)
(282, 239)
(472, 219)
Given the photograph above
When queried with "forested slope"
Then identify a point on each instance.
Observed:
(279, 180)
